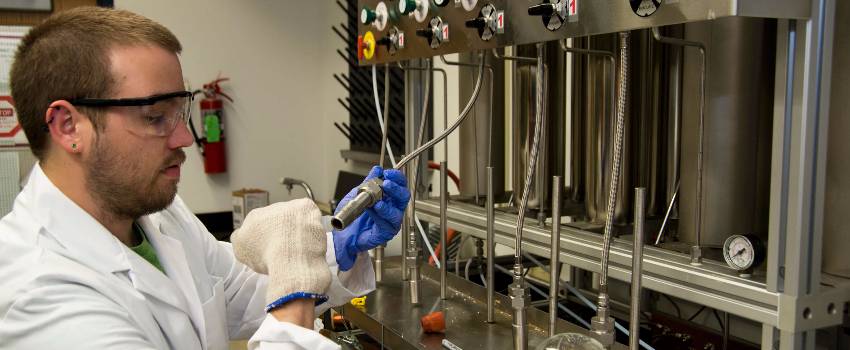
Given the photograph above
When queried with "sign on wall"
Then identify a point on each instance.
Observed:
(10, 130)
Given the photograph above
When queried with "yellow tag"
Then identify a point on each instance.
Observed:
(361, 301)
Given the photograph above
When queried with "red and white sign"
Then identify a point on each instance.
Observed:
(9, 125)
(445, 32)
(500, 22)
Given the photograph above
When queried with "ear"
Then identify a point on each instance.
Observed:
(68, 128)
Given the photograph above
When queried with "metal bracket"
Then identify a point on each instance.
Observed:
(812, 312)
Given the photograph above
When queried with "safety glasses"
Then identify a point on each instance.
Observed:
(155, 115)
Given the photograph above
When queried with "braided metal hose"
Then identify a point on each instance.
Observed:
(622, 98)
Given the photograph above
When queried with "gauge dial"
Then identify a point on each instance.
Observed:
(743, 252)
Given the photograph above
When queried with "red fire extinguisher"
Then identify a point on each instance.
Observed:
(211, 142)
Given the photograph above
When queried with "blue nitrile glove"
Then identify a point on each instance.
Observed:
(379, 224)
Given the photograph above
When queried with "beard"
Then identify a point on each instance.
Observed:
(124, 188)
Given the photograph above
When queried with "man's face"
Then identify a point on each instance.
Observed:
(130, 173)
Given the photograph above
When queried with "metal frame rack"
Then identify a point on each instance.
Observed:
(795, 299)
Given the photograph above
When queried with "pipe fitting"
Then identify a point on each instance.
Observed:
(368, 194)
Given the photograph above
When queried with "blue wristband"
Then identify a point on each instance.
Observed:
(320, 299)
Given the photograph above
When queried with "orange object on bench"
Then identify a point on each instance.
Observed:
(434, 322)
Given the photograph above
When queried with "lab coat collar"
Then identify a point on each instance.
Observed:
(84, 237)
(172, 257)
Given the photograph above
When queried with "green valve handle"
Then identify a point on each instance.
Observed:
(406, 7)
(367, 16)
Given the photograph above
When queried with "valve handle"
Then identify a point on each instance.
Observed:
(544, 9)
(479, 23)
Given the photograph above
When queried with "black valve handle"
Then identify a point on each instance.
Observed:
(544, 9)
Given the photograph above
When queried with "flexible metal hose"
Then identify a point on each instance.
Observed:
(622, 98)
(463, 114)
(532, 162)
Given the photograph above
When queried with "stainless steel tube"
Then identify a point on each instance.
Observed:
(637, 265)
(463, 114)
(667, 215)
(555, 249)
(369, 194)
(405, 232)
(491, 245)
(696, 251)
(412, 246)
(351, 214)
(379, 263)
(444, 226)
(386, 126)
(379, 250)
(518, 291)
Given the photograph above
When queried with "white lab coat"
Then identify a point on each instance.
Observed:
(66, 282)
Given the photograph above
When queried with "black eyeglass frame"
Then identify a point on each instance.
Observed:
(123, 102)
(127, 102)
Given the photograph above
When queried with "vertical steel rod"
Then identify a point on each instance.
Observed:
(405, 232)
(555, 249)
(637, 265)
(491, 244)
(379, 263)
(444, 226)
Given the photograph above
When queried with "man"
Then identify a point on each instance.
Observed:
(99, 252)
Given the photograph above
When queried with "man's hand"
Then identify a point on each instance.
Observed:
(379, 224)
(286, 241)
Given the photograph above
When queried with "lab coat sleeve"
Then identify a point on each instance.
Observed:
(245, 289)
(276, 335)
(70, 314)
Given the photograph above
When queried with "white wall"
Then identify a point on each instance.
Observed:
(280, 56)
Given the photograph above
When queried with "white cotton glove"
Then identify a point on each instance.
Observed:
(286, 241)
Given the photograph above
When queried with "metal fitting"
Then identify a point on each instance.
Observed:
(369, 193)
(602, 329)
(519, 295)
(696, 255)
(520, 299)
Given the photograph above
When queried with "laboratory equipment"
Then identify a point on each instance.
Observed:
(719, 109)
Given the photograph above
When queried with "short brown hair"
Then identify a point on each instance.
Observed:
(67, 56)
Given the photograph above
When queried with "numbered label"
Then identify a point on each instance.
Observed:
(500, 22)
(400, 40)
(445, 32)
(572, 8)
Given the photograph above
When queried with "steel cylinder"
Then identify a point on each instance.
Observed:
(643, 160)
(738, 119)
(488, 116)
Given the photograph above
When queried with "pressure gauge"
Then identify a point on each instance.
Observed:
(743, 253)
